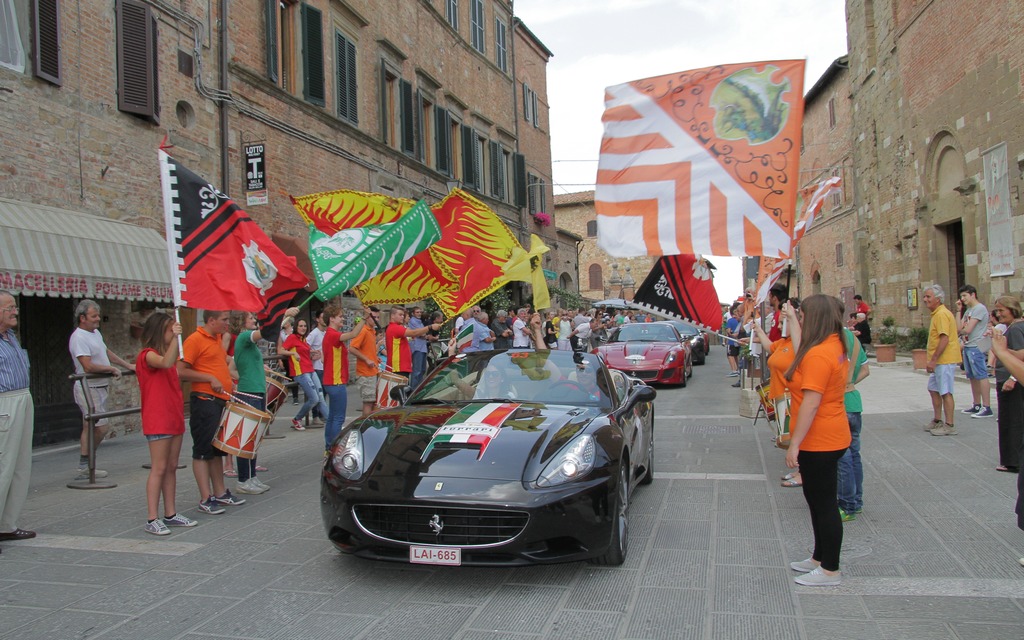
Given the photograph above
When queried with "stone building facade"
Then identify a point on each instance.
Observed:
(600, 276)
(927, 102)
(401, 97)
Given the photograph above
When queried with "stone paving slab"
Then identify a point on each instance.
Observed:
(933, 555)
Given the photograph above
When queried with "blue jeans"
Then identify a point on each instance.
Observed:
(247, 467)
(851, 471)
(419, 367)
(313, 398)
(337, 395)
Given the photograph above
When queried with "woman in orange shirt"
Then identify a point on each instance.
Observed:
(820, 432)
(782, 353)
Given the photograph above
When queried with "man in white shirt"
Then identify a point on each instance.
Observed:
(521, 338)
(91, 355)
(315, 340)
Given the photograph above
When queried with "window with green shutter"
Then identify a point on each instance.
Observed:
(345, 55)
(443, 140)
(46, 40)
(136, 59)
(405, 114)
(313, 55)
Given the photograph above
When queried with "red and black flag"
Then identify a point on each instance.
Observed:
(220, 258)
(681, 287)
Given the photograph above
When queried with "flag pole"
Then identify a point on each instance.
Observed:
(181, 347)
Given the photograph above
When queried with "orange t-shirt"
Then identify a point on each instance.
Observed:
(366, 343)
(781, 358)
(205, 353)
(825, 369)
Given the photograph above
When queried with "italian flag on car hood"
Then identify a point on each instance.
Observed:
(475, 425)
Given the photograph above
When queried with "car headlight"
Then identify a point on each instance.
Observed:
(572, 463)
(348, 456)
(671, 357)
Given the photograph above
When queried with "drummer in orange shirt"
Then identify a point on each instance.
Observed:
(820, 432)
(782, 353)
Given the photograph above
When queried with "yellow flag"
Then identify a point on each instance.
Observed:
(526, 266)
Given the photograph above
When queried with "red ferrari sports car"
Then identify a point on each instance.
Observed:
(650, 351)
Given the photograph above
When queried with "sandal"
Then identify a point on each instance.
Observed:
(792, 482)
(231, 473)
(1006, 469)
(18, 534)
(791, 475)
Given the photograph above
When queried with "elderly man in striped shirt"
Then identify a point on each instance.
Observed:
(16, 417)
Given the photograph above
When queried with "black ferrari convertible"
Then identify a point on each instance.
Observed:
(497, 458)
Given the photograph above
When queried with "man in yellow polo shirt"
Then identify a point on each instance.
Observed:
(943, 360)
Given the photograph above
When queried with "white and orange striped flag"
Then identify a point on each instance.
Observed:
(811, 201)
(702, 162)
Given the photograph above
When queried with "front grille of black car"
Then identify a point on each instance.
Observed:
(460, 527)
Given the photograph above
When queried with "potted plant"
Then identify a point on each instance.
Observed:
(885, 348)
(916, 341)
(543, 219)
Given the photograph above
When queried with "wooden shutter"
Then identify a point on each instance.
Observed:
(527, 103)
(443, 140)
(312, 55)
(535, 108)
(405, 111)
(345, 52)
(270, 14)
(136, 77)
(519, 170)
(468, 166)
(417, 117)
(497, 180)
(385, 107)
(46, 40)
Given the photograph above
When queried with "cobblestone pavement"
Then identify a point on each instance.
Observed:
(934, 555)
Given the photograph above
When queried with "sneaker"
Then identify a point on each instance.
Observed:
(261, 469)
(83, 473)
(984, 412)
(818, 578)
(259, 483)
(974, 408)
(249, 488)
(210, 506)
(733, 374)
(295, 403)
(804, 566)
(297, 425)
(157, 528)
(228, 499)
(736, 384)
(945, 429)
(318, 421)
(847, 516)
(933, 424)
(178, 520)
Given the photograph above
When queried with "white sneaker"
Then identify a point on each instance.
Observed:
(83, 473)
(249, 487)
(818, 578)
(259, 483)
(157, 528)
(804, 566)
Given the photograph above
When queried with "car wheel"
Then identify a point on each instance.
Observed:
(649, 476)
(689, 370)
(682, 378)
(616, 553)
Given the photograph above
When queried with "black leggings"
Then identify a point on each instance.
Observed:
(818, 473)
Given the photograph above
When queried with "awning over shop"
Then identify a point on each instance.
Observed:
(46, 251)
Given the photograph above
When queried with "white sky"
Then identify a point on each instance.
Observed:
(600, 43)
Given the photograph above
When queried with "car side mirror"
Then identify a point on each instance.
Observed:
(400, 393)
(640, 393)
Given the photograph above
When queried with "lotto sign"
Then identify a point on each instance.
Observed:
(255, 174)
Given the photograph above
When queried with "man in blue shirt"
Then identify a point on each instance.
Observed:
(418, 347)
(17, 415)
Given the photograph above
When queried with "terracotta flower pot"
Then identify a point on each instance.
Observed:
(885, 353)
(920, 358)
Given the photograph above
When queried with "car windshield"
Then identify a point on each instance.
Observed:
(686, 330)
(645, 332)
(549, 377)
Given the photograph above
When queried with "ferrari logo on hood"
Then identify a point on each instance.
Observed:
(476, 425)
